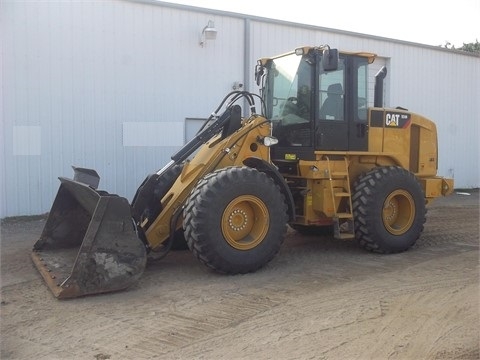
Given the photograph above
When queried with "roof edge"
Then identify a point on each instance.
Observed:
(305, 26)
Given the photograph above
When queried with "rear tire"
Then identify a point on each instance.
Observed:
(235, 220)
(389, 210)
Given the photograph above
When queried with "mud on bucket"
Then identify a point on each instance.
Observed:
(89, 244)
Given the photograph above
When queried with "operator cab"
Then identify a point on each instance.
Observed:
(317, 100)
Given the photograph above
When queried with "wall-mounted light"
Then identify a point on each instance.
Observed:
(209, 32)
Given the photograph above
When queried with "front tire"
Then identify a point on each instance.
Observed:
(389, 210)
(235, 220)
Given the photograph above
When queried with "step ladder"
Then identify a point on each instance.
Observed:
(343, 219)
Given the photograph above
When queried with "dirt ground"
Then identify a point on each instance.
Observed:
(319, 298)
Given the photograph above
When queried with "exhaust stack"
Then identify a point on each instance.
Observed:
(381, 74)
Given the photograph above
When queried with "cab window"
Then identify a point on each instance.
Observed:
(332, 91)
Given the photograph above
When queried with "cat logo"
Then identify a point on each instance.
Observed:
(392, 119)
(397, 120)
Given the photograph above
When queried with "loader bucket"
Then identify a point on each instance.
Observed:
(89, 244)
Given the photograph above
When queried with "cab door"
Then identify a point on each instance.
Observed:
(331, 125)
(341, 114)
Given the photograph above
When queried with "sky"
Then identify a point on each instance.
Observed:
(431, 22)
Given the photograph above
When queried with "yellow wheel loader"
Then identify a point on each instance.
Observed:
(314, 157)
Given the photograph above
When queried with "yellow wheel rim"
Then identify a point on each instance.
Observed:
(398, 212)
(245, 222)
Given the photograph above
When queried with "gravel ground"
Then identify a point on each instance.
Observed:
(319, 298)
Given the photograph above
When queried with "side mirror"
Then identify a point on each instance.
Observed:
(259, 70)
(330, 59)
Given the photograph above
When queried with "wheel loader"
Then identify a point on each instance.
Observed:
(314, 156)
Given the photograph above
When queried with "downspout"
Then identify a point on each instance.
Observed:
(246, 58)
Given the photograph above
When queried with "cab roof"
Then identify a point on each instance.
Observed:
(305, 49)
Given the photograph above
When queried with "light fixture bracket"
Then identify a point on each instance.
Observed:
(209, 32)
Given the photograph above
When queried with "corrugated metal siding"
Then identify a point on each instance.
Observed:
(75, 72)
(79, 70)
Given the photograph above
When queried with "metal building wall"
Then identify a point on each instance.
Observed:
(86, 84)
(76, 74)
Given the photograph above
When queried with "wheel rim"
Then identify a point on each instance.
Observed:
(245, 222)
(398, 212)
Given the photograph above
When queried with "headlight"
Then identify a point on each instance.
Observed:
(269, 141)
